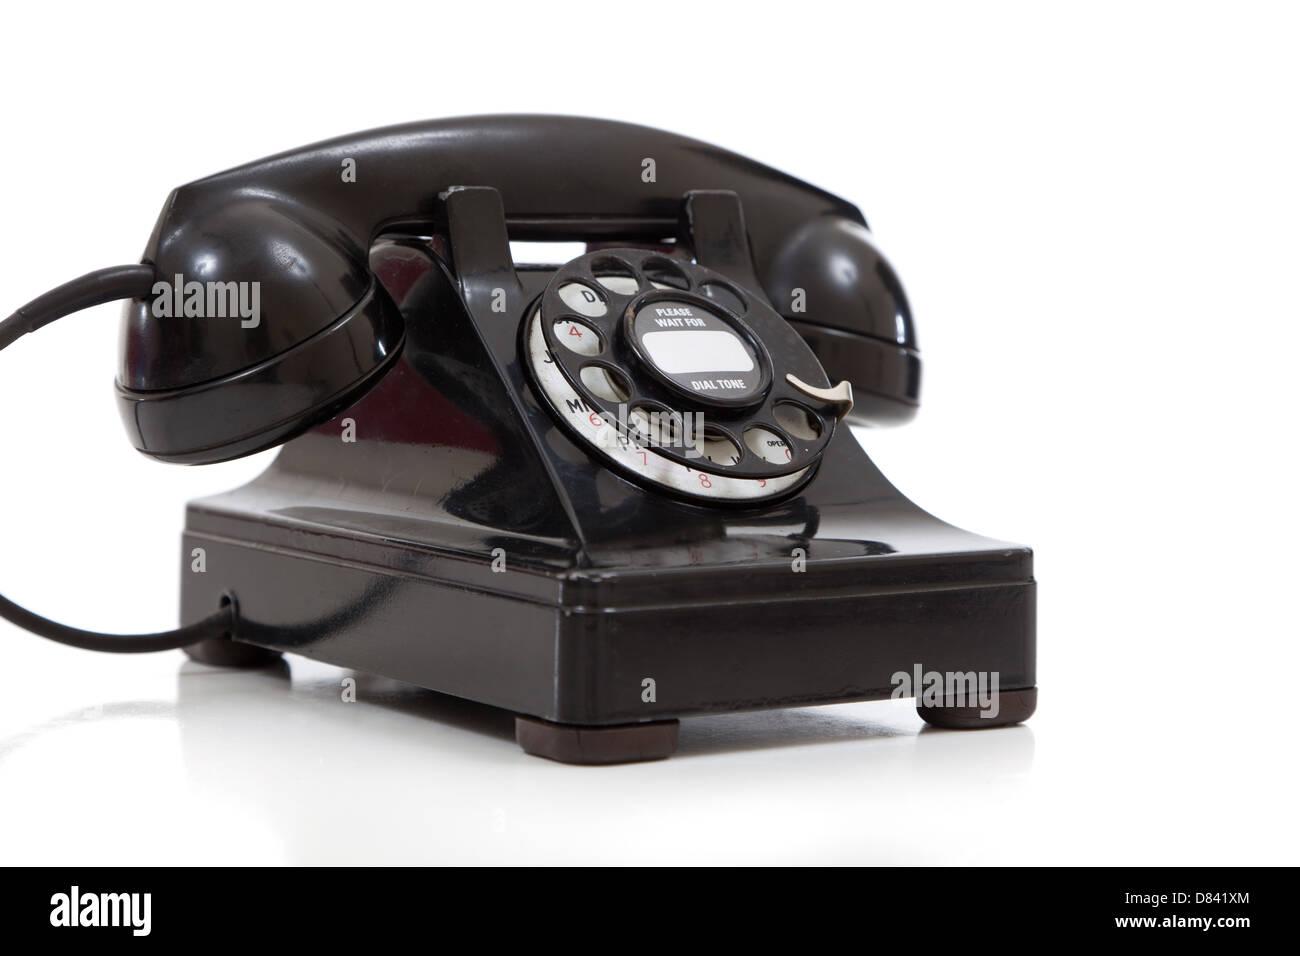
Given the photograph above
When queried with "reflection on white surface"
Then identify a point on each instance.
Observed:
(134, 761)
(273, 766)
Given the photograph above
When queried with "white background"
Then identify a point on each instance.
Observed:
(1096, 213)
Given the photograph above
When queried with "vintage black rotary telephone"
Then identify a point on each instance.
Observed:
(603, 494)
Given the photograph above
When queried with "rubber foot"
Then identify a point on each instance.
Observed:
(575, 743)
(224, 652)
(1014, 706)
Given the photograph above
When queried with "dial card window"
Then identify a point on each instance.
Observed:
(684, 352)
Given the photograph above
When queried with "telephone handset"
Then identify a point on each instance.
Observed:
(661, 412)
(302, 227)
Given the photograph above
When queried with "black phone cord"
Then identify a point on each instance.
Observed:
(96, 288)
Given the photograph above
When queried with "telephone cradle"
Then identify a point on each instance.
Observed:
(602, 494)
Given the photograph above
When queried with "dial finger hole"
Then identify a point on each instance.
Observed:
(797, 421)
(606, 383)
(768, 445)
(718, 449)
(656, 428)
(583, 299)
(620, 285)
(725, 296)
(577, 337)
(663, 274)
(616, 276)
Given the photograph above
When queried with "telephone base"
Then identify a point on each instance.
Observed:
(459, 540)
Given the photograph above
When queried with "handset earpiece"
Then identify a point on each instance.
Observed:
(832, 283)
(262, 323)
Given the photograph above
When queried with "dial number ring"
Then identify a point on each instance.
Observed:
(606, 291)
